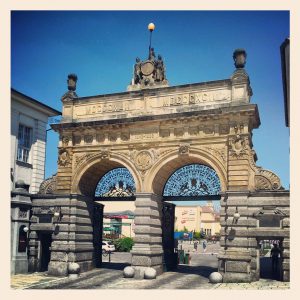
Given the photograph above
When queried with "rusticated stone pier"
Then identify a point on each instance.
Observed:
(71, 232)
(239, 257)
(147, 250)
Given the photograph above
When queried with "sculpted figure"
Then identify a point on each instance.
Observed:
(151, 54)
(160, 69)
(137, 71)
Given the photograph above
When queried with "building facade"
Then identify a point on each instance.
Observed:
(153, 130)
(29, 119)
(197, 219)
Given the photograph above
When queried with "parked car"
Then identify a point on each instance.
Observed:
(108, 247)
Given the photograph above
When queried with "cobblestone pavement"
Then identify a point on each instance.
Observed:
(110, 276)
(22, 281)
(262, 284)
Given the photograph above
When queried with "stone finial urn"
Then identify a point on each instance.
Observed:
(72, 80)
(239, 57)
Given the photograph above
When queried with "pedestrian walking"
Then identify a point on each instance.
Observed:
(195, 246)
(204, 245)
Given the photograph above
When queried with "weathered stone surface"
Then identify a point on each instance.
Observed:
(236, 277)
(237, 266)
(138, 260)
(58, 268)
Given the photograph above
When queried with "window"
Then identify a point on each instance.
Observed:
(24, 143)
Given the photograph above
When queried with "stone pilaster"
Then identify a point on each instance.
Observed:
(147, 250)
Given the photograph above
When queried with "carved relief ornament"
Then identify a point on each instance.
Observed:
(64, 157)
(48, 186)
(238, 146)
(266, 180)
(184, 149)
(80, 159)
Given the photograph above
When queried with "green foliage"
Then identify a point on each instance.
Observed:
(124, 244)
(185, 229)
(197, 235)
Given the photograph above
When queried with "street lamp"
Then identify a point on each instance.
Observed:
(151, 27)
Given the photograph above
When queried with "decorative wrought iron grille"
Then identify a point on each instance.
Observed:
(116, 183)
(193, 180)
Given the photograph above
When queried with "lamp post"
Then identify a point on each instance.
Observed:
(151, 27)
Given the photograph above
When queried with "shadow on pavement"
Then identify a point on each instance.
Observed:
(114, 265)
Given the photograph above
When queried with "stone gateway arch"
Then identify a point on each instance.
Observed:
(152, 130)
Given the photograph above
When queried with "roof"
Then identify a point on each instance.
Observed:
(49, 110)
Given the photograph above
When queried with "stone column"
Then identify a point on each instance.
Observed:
(147, 250)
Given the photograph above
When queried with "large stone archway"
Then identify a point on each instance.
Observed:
(152, 130)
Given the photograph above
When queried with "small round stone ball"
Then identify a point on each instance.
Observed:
(128, 272)
(73, 268)
(150, 273)
(215, 277)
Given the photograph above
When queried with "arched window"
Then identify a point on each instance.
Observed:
(22, 245)
(116, 183)
(193, 180)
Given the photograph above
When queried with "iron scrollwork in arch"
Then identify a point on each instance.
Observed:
(116, 183)
(193, 180)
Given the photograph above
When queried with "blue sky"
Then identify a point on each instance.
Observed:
(101, 47)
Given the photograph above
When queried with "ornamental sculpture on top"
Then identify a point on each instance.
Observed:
(149, 73)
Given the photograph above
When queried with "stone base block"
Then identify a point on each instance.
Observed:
(86, 266)
(57, 268)
(286, 276)
(19, 266)
(139, 272)
(146, 260)
(237, 266)
(236, 277)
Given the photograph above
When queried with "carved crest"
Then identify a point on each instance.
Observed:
(238, 146)
(184, 149)
(144, 159)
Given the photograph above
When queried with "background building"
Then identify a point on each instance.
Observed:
(29, 119)
(197, 218)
